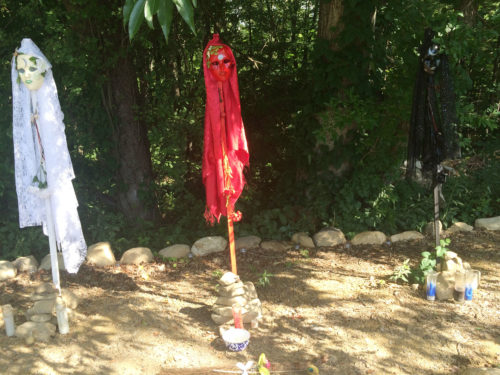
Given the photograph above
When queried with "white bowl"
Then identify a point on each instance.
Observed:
(236, 339)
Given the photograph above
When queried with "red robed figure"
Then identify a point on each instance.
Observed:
(225, 152)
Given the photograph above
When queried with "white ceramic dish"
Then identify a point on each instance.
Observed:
(236, 339)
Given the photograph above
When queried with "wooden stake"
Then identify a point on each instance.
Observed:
(230, 230)
(436, 213)
(227, 180)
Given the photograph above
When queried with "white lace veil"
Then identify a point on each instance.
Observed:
(31, 199)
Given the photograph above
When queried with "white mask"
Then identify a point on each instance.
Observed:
(31, 70)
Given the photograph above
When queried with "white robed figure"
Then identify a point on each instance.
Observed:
(43, 167)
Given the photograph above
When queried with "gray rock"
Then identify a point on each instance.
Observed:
(40, 318)
(26, 264)
(39, 331)
(137, 255)
(329, 237)
(45, 288)
(100, 254)
(452, 262)
(7, 270)
(244, 295)
(219, 319)
(303, 239)
(452, 265)
(45, 306)
(445, 285)
(458, 227)
(221, 310)
(250, 291)
(407, 236)
(47, 266)
(450, 255)
(273, 245)
(247, 242)
(429, 228)
(369, 238)
(250, 315)
(491, 223)
(229, 278)
(254, 304)
(175, 251)
(39, 297)
(230, 301)
(208, 245)
(232, 292)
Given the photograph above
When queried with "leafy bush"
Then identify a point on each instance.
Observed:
(429, 261)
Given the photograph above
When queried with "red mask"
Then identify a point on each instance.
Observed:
(220, 63)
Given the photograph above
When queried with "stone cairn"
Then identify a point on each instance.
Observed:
(445, 284)
(41, 324)
(232, 291)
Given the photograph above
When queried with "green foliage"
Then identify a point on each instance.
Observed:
(429, 260)
(264, 279)
(136, 11)
(471, 194)
(217, 274)
(401, 272)
(304, 253)
(308, 110)
(15, 243)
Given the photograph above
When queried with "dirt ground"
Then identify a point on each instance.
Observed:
(333, 307)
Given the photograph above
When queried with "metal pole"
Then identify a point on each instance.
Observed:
(48, 207)
(53, 248)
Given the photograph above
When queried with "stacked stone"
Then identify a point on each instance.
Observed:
(233, 291)
(41, 316)
(445, 284)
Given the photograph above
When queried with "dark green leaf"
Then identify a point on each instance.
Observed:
(127, 9)
(195, 3)
(148, 15)
(136, 18)
(165, 15)
(185, 9)
(152, 6)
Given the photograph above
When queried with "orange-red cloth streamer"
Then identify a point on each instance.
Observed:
(225, 153)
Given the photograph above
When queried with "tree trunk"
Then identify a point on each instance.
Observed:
(330, 26)
(132, 145)
(469, 8)
(119, 98)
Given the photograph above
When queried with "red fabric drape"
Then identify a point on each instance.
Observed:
(218, 193)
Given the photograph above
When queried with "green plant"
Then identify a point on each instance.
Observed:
(429, 261)
(172, 261)
(401, 272)
(264, 279)
(304, 253)
(217, 274)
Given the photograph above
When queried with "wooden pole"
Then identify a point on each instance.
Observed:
(227, 180)
(436, 213)
(230, 230)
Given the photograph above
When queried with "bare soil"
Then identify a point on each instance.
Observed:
(333, 307)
